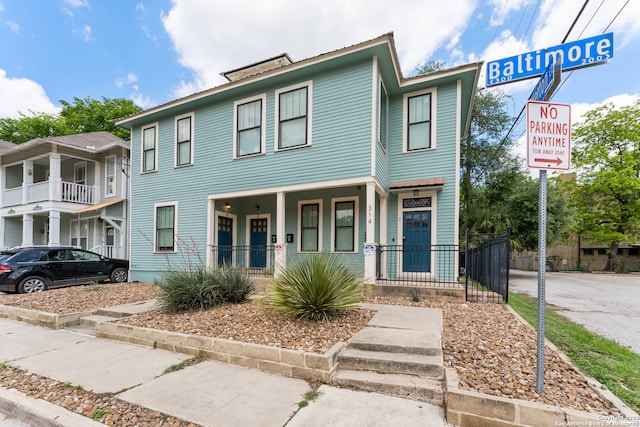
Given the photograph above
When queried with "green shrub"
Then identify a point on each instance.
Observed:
(235, 286)
(315, 287)
(199, 288)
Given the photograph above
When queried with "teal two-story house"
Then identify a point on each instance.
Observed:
(338, 153)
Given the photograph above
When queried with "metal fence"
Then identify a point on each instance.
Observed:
(255, 261)
(417, 265)
(487, 267)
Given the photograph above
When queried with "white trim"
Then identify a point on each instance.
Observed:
(356, 223)
(106, 176)
(375, 77)
(276, 129)
(155, 161)
(263, 125)
(86, 172)
(192, 116)
(175, 226)
(299, 223)
(405, 119)
(456, 210)
(434, 222)
(298, 187)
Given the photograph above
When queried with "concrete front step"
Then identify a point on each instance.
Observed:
(95, 318)
(409, 386)
(398, 341)
(392, 363)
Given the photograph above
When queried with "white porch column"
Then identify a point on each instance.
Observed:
(54, 228)
(27, 230)
(211, 227)
(370, 234)
(27, 179)
(281, 245)
(55, 180)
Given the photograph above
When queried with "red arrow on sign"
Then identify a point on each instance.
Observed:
(557, 161)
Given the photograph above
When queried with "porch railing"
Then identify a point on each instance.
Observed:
(109, 251)
(40, 191)
(417, 265)
(487, 267)
(256, 261)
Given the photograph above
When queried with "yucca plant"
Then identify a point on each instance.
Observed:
(315, 287)
(235, 285)
(196, 288)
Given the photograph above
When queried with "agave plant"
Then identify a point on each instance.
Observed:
(315, 287)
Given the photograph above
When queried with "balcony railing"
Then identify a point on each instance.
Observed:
(42, 191)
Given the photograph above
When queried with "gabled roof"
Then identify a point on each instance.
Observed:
(383, 47)
(93, 142)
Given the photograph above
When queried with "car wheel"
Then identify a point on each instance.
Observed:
(119, 275)
(32, 284)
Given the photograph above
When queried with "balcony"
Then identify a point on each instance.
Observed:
(50, 191)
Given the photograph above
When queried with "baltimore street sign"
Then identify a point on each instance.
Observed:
(577, 54)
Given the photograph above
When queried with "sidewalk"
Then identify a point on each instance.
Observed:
(208, 393)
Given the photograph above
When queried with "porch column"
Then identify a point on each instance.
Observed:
(370, 235)
(211, 227)
(281, 246)
(27, 230)
(27, 179)
(54, 228)
(55, 180)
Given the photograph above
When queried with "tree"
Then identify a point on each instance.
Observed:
(606, 192)
(83, 115)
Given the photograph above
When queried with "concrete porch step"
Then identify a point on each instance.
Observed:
(398, 341)
(392, 363)
(409, 386)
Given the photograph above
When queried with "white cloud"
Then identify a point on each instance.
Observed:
(13, 26)
(142, 101)
(129, 79)
(621, 100)
(23, 95)
(84, 31)
(213, 36)
(502, 9)
(77, 3)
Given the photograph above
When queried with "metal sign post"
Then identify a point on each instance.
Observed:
(542, 269)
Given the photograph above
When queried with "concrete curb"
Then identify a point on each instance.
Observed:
(39, 412)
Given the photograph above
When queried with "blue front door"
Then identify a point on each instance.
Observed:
(225, 240)
(416, 242)
(258, 243)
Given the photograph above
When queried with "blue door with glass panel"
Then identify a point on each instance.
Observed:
(416, 242)
(225, 240)
(258, 243)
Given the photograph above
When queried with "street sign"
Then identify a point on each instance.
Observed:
(549, 81)
(548, 135)
(577, 54)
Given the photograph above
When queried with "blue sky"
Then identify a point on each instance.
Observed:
(155, 51)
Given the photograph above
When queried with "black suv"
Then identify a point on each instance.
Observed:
(35, 269)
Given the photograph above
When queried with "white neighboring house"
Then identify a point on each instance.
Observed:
(66, 190)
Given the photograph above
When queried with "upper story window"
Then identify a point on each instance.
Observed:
(110, 176)
(345, 224)
(249, 134)
(149, 148)
(293, 116)
(419, 121)
(165, 228)
(184, 140)
(382, 114)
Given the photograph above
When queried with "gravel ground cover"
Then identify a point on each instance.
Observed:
(492, 351)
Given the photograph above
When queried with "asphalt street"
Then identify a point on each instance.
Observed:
(606, 304)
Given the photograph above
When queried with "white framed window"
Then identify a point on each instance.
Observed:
(249, 117)
(293, 116)
(165, 227)
(383, 115)
(79, 233)
(419, 118)
(344, 219)
(184, 140)
(110, 176)
(310, 225)
(149, 136)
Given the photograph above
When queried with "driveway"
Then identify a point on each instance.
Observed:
(607, 304)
